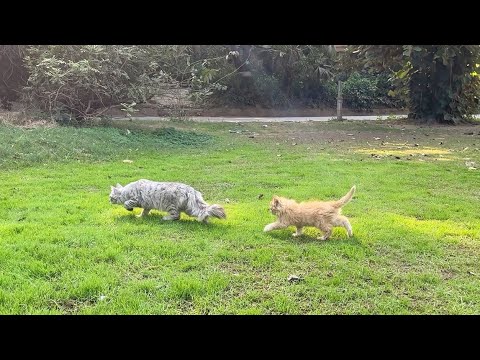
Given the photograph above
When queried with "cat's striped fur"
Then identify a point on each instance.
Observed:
(171, 197)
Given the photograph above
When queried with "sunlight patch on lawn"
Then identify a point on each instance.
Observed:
(399, 151)
(440, 229)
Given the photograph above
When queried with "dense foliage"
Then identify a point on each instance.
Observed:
(440, 82)
(71, 83)
(81, 79)
(13, 75)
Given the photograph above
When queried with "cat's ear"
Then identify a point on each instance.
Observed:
(118, 186)
(112, 188)
(276, 200)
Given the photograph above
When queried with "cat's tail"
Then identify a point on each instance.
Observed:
(346, 199)
(216, 211)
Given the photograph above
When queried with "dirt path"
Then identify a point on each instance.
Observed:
(270, 119)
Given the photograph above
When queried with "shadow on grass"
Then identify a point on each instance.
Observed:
(156, 219)
(306, 238)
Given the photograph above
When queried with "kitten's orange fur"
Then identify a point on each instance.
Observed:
(324, 215)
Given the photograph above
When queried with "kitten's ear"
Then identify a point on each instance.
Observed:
(112, 188)
(276, 201)
(118, 186)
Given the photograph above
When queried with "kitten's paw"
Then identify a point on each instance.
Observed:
(266, 228)
(170, 218)
(322, 238)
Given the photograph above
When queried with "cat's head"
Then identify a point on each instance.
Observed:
(115, 193)
(276, 205)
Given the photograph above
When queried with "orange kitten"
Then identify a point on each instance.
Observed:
(324, 215)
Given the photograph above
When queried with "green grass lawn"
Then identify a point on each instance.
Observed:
(64, 249)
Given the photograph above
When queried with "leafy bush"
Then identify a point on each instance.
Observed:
(363, 91)
(270, 75)
(315, 93)
(269, 91)
(440, 82)
(359, 92)
(80, 80)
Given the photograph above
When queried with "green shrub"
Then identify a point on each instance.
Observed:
(359, 92)
(79, 80)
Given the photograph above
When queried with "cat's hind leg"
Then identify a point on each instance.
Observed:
(174, 214)
(343, 221)
(203, 218)
(327, 231)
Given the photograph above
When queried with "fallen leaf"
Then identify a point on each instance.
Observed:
(260, 196)
(292, 278)
(472, 273)
(127, 161)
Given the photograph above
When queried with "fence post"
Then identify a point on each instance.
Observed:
(339, 101)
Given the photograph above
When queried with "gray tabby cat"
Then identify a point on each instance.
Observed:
(165, 196)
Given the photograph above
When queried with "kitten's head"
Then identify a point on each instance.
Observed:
(276, 205)
(115, 193)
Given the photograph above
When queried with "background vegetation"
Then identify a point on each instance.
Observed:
(73, 83)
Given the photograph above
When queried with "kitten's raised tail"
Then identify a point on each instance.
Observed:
(216, 211)
(346, 199)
